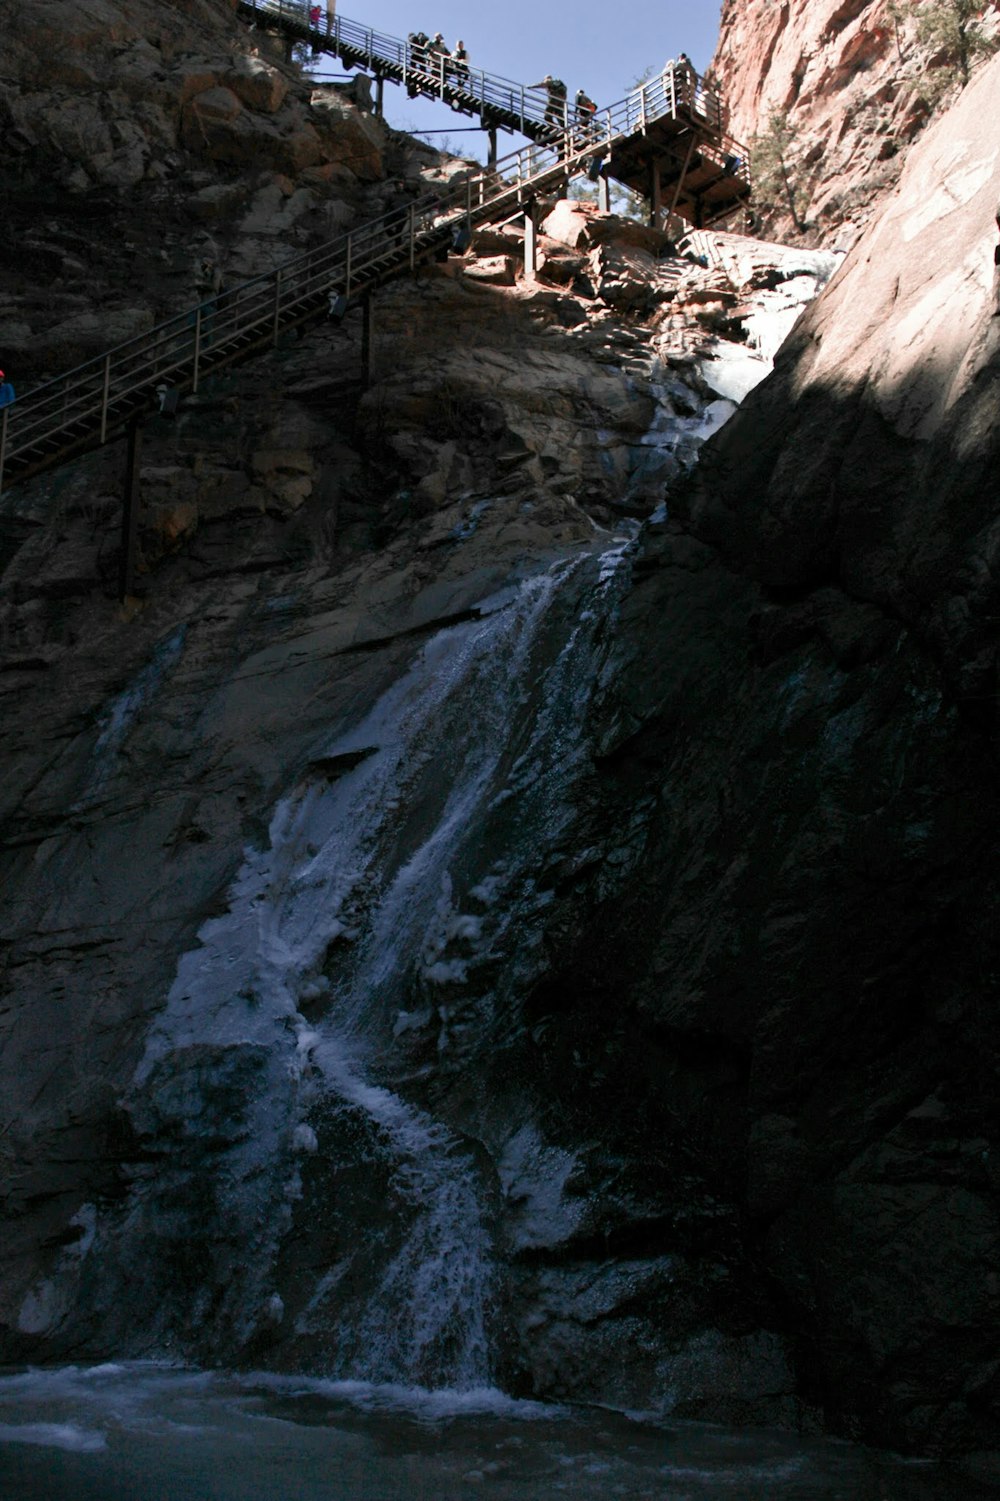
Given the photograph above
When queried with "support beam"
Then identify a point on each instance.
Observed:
(491, 160)
(655, 192)
(379, 94)
(530, 241)
(368, 339)
(604, 192)
(130, 511)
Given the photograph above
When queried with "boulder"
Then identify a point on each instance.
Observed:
(496, 270)
(259, 85)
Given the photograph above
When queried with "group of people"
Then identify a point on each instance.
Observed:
(432, 55)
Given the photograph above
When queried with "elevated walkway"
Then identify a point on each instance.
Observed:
(499, 102)
(96, 401)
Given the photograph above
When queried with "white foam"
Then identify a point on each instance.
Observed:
(54, 1436)
(437, 1405)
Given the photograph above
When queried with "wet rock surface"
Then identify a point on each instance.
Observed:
(299, 548)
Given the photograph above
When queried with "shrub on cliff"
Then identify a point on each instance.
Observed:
(773, 167)
(954, 29)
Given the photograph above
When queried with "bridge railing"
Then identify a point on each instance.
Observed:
(86, 403)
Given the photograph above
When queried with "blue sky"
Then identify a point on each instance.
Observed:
(590, 44)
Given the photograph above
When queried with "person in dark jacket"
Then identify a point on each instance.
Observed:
(586, 109)
(555, 107)
(7, 397)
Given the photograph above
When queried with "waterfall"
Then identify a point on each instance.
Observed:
(402, 863)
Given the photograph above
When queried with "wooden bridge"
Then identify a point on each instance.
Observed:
(111, 394)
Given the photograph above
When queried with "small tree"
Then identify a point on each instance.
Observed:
(772, 166)
(954, 27)
(898, 14)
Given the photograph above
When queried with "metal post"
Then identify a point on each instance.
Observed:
(130, 512)
(491, 160)
(379, 93)
(413, 233)
(347, 269)
(680, 182)
(104, 398)
(368, 338)
(655, 190)
(604, 192)
(530, 241)
(3, 442)
(197, 350)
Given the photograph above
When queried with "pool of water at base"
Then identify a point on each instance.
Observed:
(150, 1432)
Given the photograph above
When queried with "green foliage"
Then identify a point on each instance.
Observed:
(898, 14)
(624, 201)
(954, 27)
(773, 166)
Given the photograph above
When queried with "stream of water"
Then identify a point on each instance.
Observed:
(151, 1433)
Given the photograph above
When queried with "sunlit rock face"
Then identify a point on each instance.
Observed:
(858, 88)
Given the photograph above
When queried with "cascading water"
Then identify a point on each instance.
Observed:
(402, 866)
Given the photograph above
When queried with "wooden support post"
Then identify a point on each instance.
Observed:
(491, 160)
(368, 339)
(530, 240)
(604, 192)
(655, 193)
(130, 512)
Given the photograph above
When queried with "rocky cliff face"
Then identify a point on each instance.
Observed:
(143, 139)
(450, 938)
(858, 87)
(825, 944)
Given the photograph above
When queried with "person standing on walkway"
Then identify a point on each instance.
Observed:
(685, 79)
(586, 109)
(7, 397)
(555, 107)
(460, 63)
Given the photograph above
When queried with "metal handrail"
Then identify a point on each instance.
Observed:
(82, 405)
